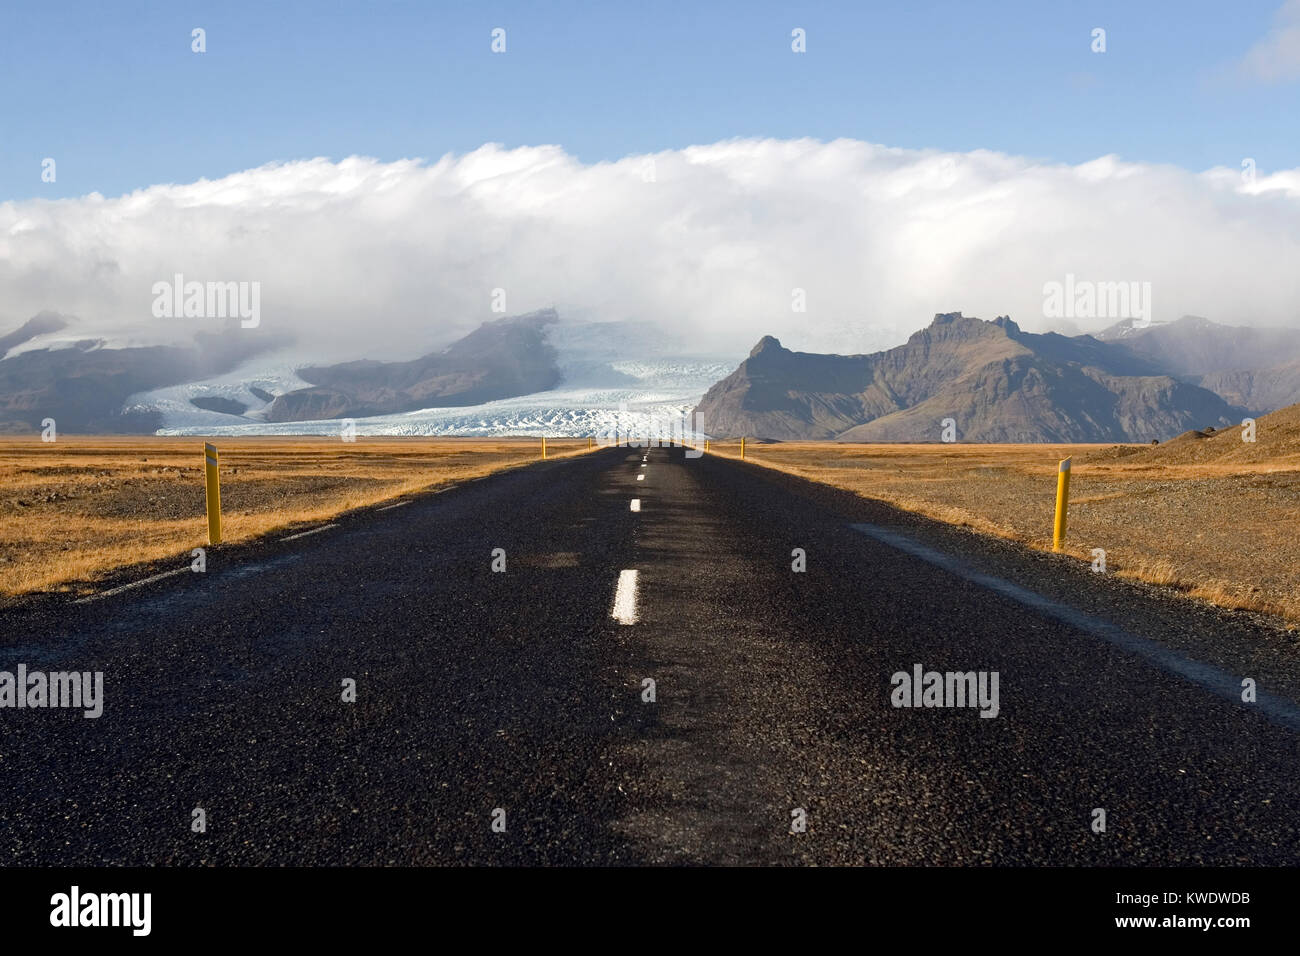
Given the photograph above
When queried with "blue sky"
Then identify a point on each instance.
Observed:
(114, 94)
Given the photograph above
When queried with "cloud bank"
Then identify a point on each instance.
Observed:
(361, 258)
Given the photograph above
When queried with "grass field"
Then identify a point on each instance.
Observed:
(74, 509)
(1205, 517)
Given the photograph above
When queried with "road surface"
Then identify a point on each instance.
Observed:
(523, 691)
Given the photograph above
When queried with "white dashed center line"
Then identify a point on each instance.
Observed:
(625, 598)
(640, 477)
(636, 504)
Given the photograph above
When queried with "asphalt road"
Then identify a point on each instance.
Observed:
(519, 691)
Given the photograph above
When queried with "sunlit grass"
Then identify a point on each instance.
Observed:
(75, 509)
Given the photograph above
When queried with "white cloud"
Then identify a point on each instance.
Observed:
(1276, 58)
(363, 258)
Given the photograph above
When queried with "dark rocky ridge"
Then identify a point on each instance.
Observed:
(499, 359)
(39, 324)
(218, 403)
(84, 388)
(998, 383)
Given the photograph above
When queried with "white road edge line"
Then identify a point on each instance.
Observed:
(303, 534)
(391, 507)
(636, 504)
(126, 587)
(1277, 709)
(625, 598)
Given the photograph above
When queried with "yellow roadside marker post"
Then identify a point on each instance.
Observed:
(1062, 503)
(742, 449)
(543, 447)
(210, 461)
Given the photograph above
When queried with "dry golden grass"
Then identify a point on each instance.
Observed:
(1217, 528)
(74, 509)
(1220, 531)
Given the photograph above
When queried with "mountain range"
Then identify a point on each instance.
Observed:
(84, 387)
(1258, 369)
(988, 381)
(537, 373)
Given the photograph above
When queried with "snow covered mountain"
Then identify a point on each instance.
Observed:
(612, 375)
(523, 375)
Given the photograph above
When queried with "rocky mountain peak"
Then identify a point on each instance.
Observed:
(955, 327)
(765, 344)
